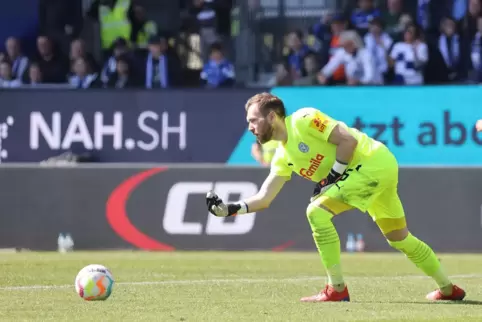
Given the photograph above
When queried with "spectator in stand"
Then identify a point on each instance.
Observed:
(142, 29)
(467, 29)
(312, 68)
(6, 76)
(435, 71)
(358, 61)
(213, 19)
(218, 71)
(409, 58)
(379, 44)
(405, 21)
(282, 76)
(77, 50)
(476, 55)
(52, 64)
(120, 48)
(430, 14)
(83, 77)
(298, 51)
(62, 20)
(362, 15)
(122, 77)
(34, 75)
(391, 18)
(459, 8)
(205, 13)
(449, 47)
(423, 13)
(321, 31)
(337, 26)
(14, 55)
(162, 66)
(114, 17)
(224, 26)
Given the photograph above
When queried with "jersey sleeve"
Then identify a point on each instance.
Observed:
(335, 61)
(315, 123)
(279, 165)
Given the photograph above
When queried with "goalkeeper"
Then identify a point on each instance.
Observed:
(350, 170)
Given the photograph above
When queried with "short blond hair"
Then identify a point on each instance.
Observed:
(267, 102)
(351, 35)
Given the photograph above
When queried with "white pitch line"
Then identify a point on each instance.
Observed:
(235, 280)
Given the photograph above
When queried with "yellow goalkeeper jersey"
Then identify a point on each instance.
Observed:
(308, 152)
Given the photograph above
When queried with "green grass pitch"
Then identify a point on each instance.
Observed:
(235, 286)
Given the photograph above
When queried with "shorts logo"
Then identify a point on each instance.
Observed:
(303, 147)
(319, 123)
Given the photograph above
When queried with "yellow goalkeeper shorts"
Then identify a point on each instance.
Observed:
(371, 186)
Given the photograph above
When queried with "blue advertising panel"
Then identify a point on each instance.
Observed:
(122, 126)
(423, 126)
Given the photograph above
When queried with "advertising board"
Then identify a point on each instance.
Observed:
(164, 209)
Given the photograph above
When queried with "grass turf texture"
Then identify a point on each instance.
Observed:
(244, 286)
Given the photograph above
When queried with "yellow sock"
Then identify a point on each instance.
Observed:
(424, 258)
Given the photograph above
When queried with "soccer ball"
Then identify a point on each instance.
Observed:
(94, 283)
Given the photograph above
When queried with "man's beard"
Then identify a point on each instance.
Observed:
(267, 135)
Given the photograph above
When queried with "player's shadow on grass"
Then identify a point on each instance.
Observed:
(466, 302)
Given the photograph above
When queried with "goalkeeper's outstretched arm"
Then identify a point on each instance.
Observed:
(272, 185)
(269, 190)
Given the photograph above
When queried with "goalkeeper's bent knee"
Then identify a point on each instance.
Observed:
(387, 225)
(318, 216)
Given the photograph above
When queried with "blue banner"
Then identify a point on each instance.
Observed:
(423, 126)
(122, 126)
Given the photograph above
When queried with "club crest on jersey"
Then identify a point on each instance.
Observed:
(303, 147)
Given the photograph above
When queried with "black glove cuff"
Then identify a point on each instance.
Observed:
(334, 175)
(233, 209)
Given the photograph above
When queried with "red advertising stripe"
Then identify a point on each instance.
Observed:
(117, 215)
(283, 246)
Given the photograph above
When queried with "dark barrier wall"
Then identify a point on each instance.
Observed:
(122, 126)
(164, 209)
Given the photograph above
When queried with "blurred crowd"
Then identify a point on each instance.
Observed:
(135, 53)
(370, 42)
(435, 42)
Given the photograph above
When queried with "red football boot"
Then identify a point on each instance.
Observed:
(458, 294)
(329, 294)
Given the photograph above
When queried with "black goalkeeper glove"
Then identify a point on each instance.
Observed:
(325, 184)
(218, 208)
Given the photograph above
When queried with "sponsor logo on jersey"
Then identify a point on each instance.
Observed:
(319, 123)
(314, 165)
